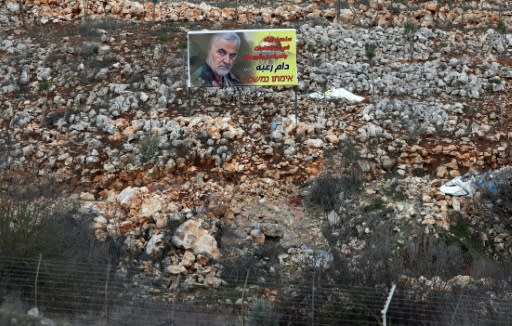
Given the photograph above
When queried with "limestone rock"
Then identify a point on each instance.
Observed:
(190, 235)
(155, 245)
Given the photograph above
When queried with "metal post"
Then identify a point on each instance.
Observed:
(189, 98)
(243, 297)
(386, 305)
(37, 277)
(107, 281)
(296, 106)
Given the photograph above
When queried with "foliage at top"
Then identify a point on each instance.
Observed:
(410, 27)
(501, 27)
(370, 50)
(163, 38)
(182, 45)
(45, 85)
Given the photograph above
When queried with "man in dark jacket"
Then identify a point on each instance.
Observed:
(222, 54)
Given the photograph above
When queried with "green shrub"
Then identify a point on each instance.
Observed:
(182, 45)
(369, 50)
(501, 27)
(44, 85)
(148, 148)
(410, 28)
(464, 234)
(396, 191)
(495, 80)
(163, 38)
(378, 204)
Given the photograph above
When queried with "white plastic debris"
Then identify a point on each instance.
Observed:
(459, 186)
(468, 185)
(337, 93)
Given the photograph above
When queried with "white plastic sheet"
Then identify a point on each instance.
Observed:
(459, 186)
(337, 93)
(468, 185)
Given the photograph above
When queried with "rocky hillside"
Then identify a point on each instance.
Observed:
(191, 178)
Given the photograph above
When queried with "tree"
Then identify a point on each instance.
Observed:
(370, 52)
(45, 86)
(410, 29)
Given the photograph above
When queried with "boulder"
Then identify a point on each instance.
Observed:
(190, 235)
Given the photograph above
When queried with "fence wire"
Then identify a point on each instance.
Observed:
(75, 294)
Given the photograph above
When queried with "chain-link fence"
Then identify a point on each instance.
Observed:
(110, 298)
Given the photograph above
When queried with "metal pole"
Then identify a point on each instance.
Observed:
(107, 309)
(386, 305)
(296, 106)
(313, 296)
(243, 297)
(37, 277)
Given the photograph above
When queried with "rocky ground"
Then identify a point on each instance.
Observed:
(191, 177)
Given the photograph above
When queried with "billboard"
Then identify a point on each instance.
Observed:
(225, 58)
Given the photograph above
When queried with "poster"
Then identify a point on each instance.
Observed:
(227, 58)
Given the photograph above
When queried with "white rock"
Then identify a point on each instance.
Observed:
(143, 97)
(190, 235)
(315, 143)
(150, 206)
(24, 79)
(127, 195)
(13, 7)
(87, 196)
(333, 218)
(155, 245)
(176, 269)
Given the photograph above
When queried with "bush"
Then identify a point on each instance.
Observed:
(89, 51)
(410, 27)
(378, 204)
(182, 45)
(327, 189)
(148, 148)
(501, 27)
(73, 265)
(369, 50)
(163, 38)
(325, 192)
(44, 85)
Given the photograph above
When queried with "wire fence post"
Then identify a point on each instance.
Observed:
(37, 277)
(242, 310)
(386, 305)
(107, 281)
(296, 105)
